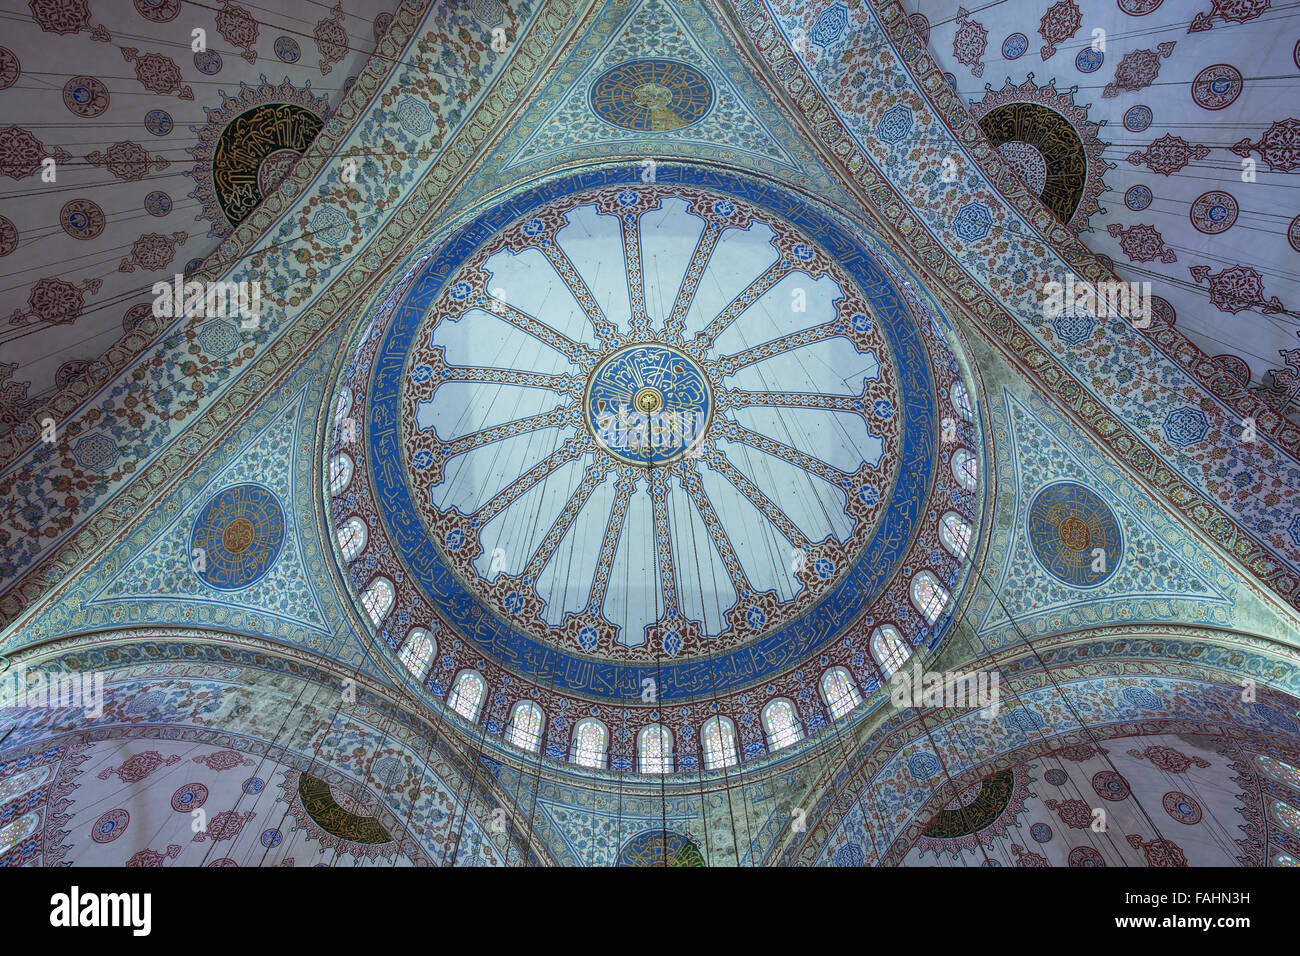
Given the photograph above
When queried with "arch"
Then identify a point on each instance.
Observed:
(352, 537)
(524, 728)
(1287, 815)
(590, 743)
(467, 693)
(378, 599)
(889, 650)
(417, 652)
(929, 596)
(839, 691)
(718, 736)
(960, 398)
(955, 535)
(965, 468)
(341, 468)
(1280, 770)
(654, 748)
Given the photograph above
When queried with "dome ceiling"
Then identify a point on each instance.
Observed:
(680, 433)
(160, 152)
(1173, 121)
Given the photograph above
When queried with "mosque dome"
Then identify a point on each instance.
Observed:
(634, 449)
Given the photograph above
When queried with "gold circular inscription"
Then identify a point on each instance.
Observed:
(237, 536)
(1074, 534)
(648, 400)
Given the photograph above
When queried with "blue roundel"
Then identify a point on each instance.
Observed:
(1074, 534)
(648, 404)
(1089, 60)
(1014, 46)
(923, 766)
(237, 537)
(1138, 197)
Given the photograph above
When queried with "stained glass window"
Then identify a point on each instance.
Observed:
(839, 691)
(378, 600)
(467, 694)
(1282, 771)
(888, 649)
(965, 469)
(589, 741)
(961, 400)
(654, 747)
(719, 736)
(525, 727)
(22, 782)
(954, 534)
(1288, 814)
(340, 473)
(781, 722)
(929, 596)
(352, 538)
(18, 831)
(344, 405)
(1283, 860)
(417, 652)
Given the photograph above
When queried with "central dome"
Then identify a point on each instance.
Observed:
(679, 431)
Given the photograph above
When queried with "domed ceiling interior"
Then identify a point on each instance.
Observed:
(643, 393)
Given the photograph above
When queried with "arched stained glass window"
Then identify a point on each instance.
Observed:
(929, 596)
(343, 406)
(888, 649)
(352, 538)
(954, 534)
(340, 473)
(781, 722)
(961, 400)
(719, 738)
(1281, 771)
(417, 652)
(654, 748)
(1287, 814)
(839, 691)
(1283, 860)
(590, 743)
(525, 727)
(965, 469)
(467, 693)
(377, 599)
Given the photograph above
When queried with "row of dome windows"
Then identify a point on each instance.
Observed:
(654, 743)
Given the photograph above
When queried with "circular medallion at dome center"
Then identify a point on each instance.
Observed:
(649, 404)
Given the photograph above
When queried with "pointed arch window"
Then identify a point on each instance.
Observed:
(343, 406)
(352, 538)
(525, 727)
(955, 535)
(467, 693)
(1283, 860)
(888, 649)
(378, 599)
(719, 738)
(839, 691)
(961, 400)
(965, 469)
(590, 743)
(929, 596)
(781, 723)
(654, 748)
(417, 652)
(340, 473)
